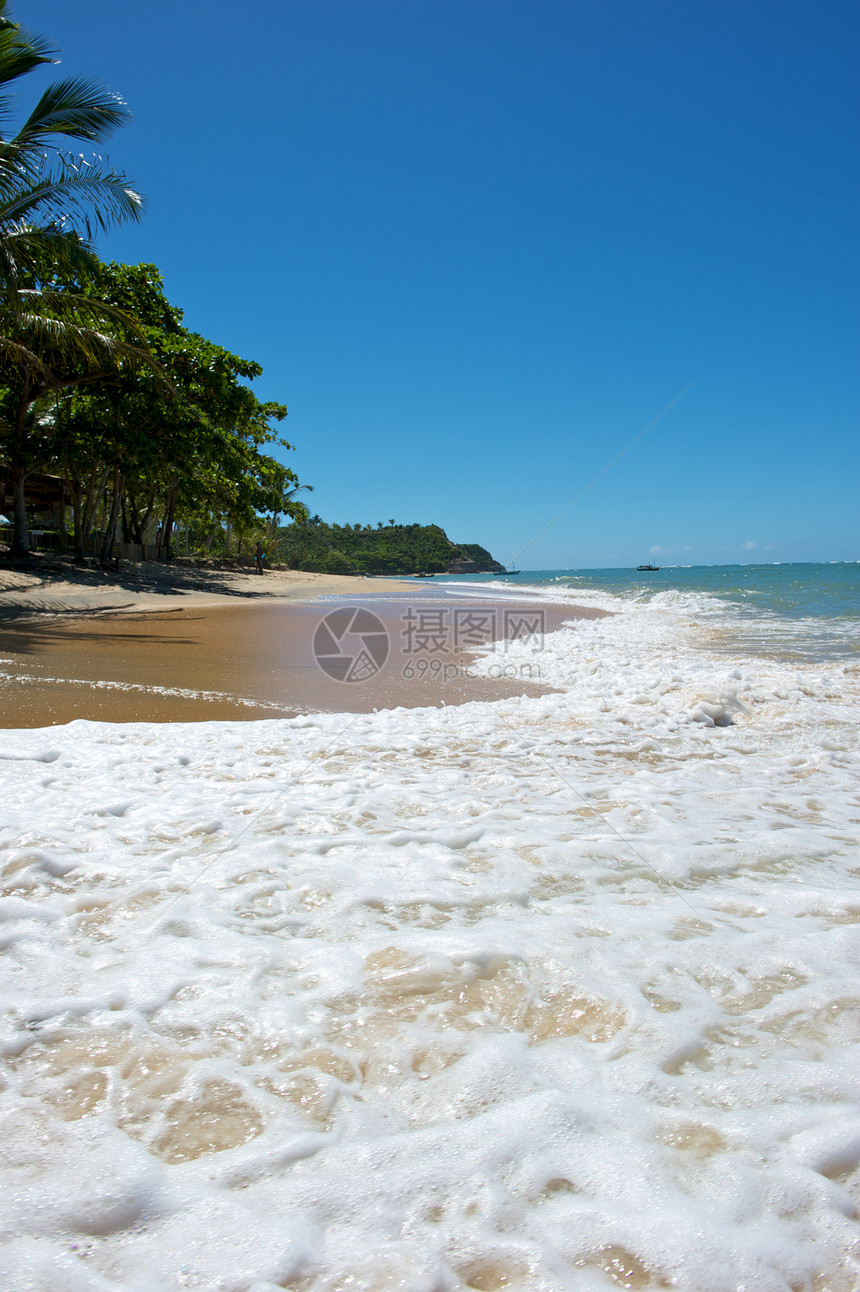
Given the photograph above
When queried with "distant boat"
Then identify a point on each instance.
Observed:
(501, 574)
(647, 567)
(423, 575)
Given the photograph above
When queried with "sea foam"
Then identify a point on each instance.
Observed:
(552, 993)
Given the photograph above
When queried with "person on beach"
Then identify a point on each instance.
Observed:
(259, 558)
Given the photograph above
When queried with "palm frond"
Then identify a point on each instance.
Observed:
(73, 305)
(31, 253)
(67, 337)
(51, 346)
(20, 53)
(85, 196)
(20, 50)
(18, 355)
(75, 107)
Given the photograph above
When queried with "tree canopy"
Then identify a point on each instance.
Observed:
(180, 442)
(52, 203)
(150, 425)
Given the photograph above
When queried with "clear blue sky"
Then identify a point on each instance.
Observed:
(478, 244)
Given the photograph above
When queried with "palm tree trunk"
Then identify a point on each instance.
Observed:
(74, 489)
(143, 521)
(20, 538)
(167, 527)
(90, 502)
(62, 523)
(124, 520)
(110, 527)
(273, 529)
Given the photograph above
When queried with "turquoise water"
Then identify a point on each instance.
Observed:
(797, 590)
(806, 610)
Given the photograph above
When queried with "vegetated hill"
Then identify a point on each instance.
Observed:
(387, 549)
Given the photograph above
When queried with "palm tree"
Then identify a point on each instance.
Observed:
(45, 194)
(52, 204)
(291, 505)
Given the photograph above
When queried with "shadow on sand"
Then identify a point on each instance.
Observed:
(155, 579)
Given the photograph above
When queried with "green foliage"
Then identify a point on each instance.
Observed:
(480, 556)
(51, 200)
(363, 549)
(99, 380)
(187, 438)
(177, 442)
(52, 204)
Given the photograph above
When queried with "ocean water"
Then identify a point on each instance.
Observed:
(809, 610)
(552, 993)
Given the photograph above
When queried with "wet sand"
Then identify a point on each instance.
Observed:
(252, 660)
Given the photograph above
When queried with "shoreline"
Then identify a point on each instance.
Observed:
(171, 650)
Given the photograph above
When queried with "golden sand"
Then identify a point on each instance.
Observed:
(177, 646)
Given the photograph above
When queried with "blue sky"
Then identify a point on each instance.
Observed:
(478, 244)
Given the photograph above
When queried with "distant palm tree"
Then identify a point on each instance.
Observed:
(291, 505)
(52, 204)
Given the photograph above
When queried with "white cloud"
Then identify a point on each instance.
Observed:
(748, 545)
(656, 550)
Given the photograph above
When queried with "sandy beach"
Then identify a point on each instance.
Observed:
(176, 644)
(52, 587)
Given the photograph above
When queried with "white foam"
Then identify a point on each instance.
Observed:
(554, 993)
